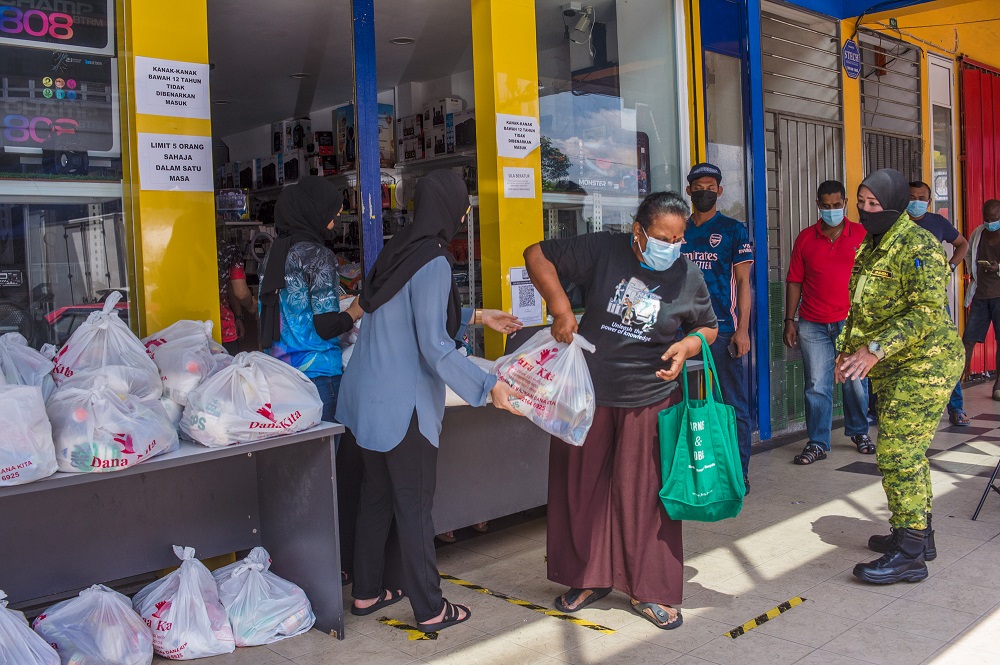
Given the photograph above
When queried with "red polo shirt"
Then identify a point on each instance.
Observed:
(823, 268)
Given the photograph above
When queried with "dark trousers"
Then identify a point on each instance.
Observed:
(399, 483)
(733, 381)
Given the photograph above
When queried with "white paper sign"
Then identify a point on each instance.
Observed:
(518, 183)
(525, 299)
(517, 135)
(169, 162)
(168, 87)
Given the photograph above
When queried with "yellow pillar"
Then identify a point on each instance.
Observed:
(506, 72)
(696, 78)
(173, 231)
(854, 163)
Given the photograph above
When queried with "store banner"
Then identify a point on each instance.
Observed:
(172, 88)
(517, 135)
(79, 26)
(169, 162)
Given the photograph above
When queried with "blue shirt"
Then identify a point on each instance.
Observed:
(310, 288)
(401, 363)
(938, 226)
(715, 247)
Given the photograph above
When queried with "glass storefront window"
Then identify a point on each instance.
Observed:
(724, 129)
(607, 78)
(63, 240)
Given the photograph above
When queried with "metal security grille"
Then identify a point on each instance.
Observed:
(805, 145)
(890, 104)
(890, 151)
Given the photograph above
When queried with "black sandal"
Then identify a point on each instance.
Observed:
(450, 618)
(864, 443)
(384, 600)
(660, 617)
(573, 595)
(811, 453)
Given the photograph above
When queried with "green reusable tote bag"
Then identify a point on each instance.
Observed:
(702, 473)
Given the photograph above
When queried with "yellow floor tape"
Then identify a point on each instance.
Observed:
(531, 606)
(411, 632)
(765, 617)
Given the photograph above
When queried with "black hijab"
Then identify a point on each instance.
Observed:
(302, 214)
(892, 190)
(440, 200)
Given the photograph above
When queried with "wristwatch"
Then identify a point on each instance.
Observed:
(876, 349)
(953, 266)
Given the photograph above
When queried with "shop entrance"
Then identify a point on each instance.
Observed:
(805, 146)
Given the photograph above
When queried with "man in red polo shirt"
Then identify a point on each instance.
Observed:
(818, 277)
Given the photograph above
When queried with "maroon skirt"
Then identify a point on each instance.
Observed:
(606, 525)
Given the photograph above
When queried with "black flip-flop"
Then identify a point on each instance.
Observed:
(573, 595)
(383, 601)
(449, 619)
(662, 617)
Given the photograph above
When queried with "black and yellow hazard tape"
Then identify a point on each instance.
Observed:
(765, 617)
(411, 632)
(530, 606)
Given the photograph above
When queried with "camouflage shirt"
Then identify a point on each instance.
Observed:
(898, 298)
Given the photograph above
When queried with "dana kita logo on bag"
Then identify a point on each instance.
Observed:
(273, 423)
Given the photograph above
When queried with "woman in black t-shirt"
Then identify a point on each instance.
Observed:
(607, 528)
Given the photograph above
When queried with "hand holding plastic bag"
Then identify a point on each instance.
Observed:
(26, 449)
(262, 607)
(184, 612)
(98, 627)
(257, 397)
(555, 385)
(96, 430)
(19, 645)
(22, 365)
(103, 339)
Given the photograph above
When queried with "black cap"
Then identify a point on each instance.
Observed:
(705, 170)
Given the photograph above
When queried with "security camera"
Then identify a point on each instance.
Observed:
(571, 9)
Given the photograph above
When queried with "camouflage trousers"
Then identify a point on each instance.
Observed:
(911, 399)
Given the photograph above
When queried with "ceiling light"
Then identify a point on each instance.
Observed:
(402, 41)
(221, 101)
(301, 75)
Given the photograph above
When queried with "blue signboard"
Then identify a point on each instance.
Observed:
(851, 57)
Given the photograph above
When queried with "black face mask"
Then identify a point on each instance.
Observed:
(704, 200)
(878, 223)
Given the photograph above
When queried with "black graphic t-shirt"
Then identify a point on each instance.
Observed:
(633, 313)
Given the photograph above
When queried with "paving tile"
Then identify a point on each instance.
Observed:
(752, 649)
(551, 637)
(983, 635)
(933, 621)
(953, 654)
(849, 601)
(306, 644)
(953, 595)
(883, 646)
(619, 648)
(361, 650)
(242, 656)
(823, 657)
(499, 544)
(806, 626)
(491, 651)
(697, 631)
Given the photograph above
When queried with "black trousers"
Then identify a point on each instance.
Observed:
(400, 484)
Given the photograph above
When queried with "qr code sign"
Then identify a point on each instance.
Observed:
(526, 296)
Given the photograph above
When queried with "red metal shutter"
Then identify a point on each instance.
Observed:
(981, 163)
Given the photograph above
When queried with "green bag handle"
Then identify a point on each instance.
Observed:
(711, 374)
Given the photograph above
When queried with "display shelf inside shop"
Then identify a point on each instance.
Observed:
(439, 161)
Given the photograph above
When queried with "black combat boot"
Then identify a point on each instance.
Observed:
(883, 544)
(903, 563)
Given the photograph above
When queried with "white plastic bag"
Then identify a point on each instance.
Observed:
(175, 412)
(122, 380)
(19, 645)
(98, 627)
(555, 385)
(351, 336)
(103, 339)
(184, 612)
(191, 332)
(262, 607)
(257, 397)
(22, 365)
(26, 449)
(96, 430)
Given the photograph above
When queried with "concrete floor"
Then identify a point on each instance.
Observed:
(800, 533)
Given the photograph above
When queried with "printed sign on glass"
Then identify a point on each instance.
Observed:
(80, 26)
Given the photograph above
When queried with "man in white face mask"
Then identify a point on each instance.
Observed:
(939, 227)
(818, 287)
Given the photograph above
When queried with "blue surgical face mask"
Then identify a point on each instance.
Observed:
(660, 255)
(917, 208)
(834, 217)
(993, 226)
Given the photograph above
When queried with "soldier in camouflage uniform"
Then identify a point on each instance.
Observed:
(899, 332)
